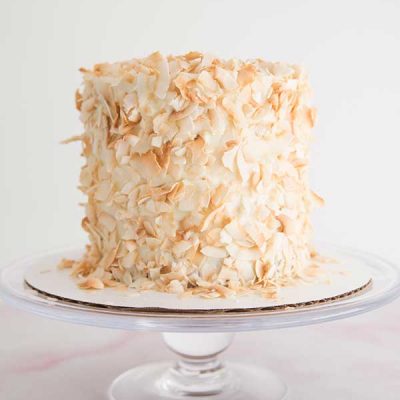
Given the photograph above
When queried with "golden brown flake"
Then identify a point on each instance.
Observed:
(92, 283)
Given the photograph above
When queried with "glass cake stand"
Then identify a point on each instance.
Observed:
(199, 337)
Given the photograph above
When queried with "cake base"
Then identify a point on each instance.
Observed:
(336, 281)
(244, 382)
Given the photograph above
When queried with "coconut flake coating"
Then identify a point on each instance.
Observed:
(196, 174)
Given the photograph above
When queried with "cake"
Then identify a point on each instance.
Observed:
(196, 175)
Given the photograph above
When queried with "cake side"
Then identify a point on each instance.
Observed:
(196, 174)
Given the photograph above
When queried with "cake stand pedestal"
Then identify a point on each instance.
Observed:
(198, 373)
(199, 336)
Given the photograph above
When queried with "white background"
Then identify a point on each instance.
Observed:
(350, 48)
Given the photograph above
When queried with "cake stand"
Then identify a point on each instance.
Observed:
(198, 337)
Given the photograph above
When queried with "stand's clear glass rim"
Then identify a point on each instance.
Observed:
(385, 288)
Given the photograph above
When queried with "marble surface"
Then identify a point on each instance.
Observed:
(357, 358)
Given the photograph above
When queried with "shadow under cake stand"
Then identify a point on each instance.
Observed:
(197, 329)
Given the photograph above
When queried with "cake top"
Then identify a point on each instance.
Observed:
(158, 83)
(196, 172)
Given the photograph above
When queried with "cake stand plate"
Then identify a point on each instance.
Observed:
(198, 333)
(334, 281)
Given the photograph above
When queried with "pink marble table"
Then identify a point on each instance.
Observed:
(358, 358)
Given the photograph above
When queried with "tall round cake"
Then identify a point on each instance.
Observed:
(195, 175)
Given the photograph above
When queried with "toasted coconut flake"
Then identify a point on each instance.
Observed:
(107, 221)
(92, 283)
(148, 226)
(108, 258)
(103, 191)
(246, 75)
(128, 261)
(235, 231)
(110, 283)
(197, 149)
(78, 100)
(132, 140)
(181, 247)
(245, 254)
(245, 269)
(176, 287)
(66, 263)
(214, 252)
(318, 200)
(312, 115)
(76, 138)
(290, 226)
(224, 291)
(228, 159)
(163, 69)
(206, 79)
(150, 166)
(156, 141)
(208, 220)
(130, 245)
(226, 78)
(244, 168)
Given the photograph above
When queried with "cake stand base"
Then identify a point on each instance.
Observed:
(255, 384)
(198, 373)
